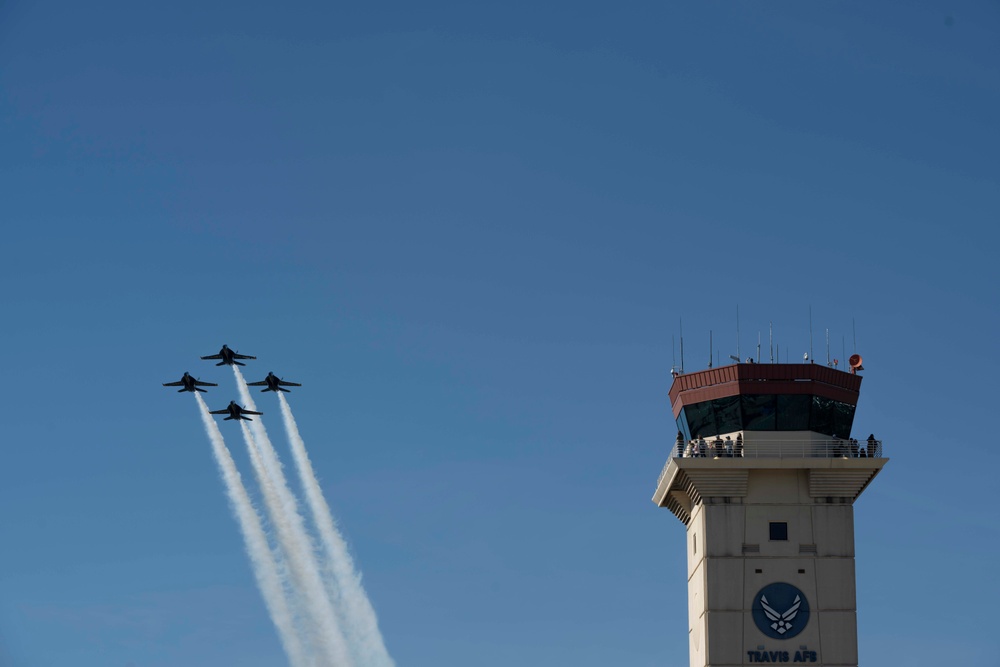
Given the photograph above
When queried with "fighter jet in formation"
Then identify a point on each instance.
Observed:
(235, 412)
(189, 383)
(228, 357)
(273, 382)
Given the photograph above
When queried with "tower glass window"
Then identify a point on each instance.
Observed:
(843, 418)
(701, 420)
(793, 412)
(758, 412)
(821, 419)
(727, 414)
(779, 531)
(767, 412)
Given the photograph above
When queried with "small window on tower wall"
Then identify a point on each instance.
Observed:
(779, 531)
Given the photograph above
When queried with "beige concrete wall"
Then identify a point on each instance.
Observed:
(778, 486)
(832, 593)
(724, 530)
(834, 524)
(725, 589)
(786, 436)
(695, 539)
(840, 637)
(697, 630)
(723, 581)
(725, 638)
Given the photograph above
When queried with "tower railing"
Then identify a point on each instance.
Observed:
(780, 449)
(776, 449)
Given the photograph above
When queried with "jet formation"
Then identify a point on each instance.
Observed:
(228, 357)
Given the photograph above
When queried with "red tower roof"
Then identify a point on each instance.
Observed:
(781, 379)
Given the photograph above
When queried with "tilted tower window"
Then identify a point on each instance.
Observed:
(766, 412)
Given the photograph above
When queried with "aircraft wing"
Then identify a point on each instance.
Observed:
(219, 412)
(238, 356)
(289, 384)
(257, 384)
(205, 384)
(179, 383)
(250, 412)
(213, 356)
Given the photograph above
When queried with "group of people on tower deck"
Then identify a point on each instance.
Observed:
(851, 449)
(729, 448)
(718, 448)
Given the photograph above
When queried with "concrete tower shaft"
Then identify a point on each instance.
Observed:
(764, 475)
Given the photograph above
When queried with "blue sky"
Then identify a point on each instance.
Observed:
(471, 233)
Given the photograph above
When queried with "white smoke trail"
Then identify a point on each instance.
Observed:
(270, 457)
(356, 609)
(264, 567)
(325, 630)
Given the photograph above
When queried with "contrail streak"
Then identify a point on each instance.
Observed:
(282, 509)
(264, 567)
(270, 458)
(356, 610)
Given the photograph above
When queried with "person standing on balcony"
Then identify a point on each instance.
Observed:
(717, 447)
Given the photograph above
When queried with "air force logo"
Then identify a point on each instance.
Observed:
(780, 611)
(782, 622)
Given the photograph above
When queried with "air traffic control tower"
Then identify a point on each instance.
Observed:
(764, 475)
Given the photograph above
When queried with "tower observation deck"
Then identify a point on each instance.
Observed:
(764, 474)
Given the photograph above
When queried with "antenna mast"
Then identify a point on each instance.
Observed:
(770, 340)
(757, 360)
(710, 348)
(738, 357)
(682, 345)
(810, 332)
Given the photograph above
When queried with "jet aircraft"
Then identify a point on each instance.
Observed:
(189, 383)
(235, 412)
(273, 382)
(228, 357)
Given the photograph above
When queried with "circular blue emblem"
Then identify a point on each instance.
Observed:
(780, 611)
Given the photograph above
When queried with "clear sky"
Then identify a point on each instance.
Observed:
(471, 232)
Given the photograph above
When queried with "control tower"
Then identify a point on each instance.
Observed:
(764, 475)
